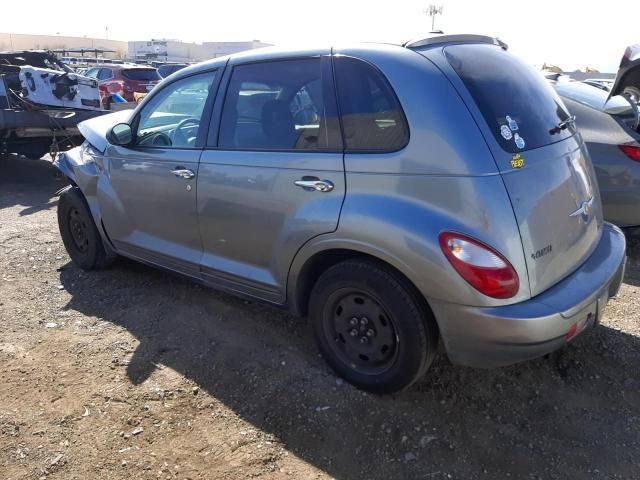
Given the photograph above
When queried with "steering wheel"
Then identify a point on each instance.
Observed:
(178, 136)
(161, 139)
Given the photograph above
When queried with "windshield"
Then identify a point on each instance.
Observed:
(141, 74)
(518, 104)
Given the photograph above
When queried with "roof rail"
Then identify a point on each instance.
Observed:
(436, 39)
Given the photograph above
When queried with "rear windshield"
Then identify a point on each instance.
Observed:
(518, 104)
(141, 74)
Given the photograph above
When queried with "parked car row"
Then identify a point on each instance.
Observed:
(399, 196)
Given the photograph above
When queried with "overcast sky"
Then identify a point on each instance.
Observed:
(568, 33)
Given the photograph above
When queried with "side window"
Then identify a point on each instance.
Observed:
(279, 105)
(104, 74)
(92, 72)
(372, 118)
(172, 117)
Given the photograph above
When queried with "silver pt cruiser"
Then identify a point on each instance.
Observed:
(395, 195)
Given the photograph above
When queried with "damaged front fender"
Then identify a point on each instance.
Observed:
(82, 170)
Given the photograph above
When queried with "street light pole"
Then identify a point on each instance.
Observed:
(432, 11)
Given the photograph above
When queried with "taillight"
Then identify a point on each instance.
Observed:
(480, 265)
(631, 151)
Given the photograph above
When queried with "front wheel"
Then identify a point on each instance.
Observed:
(371, 327)
(79, 233)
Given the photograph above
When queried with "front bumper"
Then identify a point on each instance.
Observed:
(495, 336)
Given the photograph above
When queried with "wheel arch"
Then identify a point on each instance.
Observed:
(309, 265)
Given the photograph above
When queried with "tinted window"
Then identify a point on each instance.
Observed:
(166, 70)
(104, 74)
(517, 103)
(372, 118)
(141, 74)
(172, 117)
(279, 106)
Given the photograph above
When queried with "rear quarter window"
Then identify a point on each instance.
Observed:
(519, 106)
(372, 118)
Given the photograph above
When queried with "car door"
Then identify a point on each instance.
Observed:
(148, 198)
(272, 176)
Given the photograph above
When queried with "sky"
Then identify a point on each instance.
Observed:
(571, 34)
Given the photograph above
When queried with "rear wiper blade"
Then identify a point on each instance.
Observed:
(563, 124)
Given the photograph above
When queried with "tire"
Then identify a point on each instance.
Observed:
(79, 233)
(632, 93)
(360, 299)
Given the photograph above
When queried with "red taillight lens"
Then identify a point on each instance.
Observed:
(631, 151)
(480, 265)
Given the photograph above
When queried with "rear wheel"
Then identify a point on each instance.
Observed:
(79, 234)
(371, 327)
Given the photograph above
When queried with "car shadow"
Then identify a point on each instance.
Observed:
(632, 276)
(29, 183)
(549, 417)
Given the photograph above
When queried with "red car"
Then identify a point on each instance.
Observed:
(124, 80)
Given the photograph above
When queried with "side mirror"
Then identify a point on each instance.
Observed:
(120, 134)
(618, 105)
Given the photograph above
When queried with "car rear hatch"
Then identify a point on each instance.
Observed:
(142, 79)
(541, 157)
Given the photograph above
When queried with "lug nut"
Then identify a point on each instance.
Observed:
(364, 321)
(370, 333)
(353, 332)
(364, 340)
(353, 321)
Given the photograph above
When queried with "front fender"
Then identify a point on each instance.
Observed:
(85, 176)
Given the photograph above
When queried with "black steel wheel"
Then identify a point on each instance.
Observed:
(361, 333)
(371, 326)
(79, 234)
(79, 230)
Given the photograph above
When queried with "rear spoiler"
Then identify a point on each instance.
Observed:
(437, 39)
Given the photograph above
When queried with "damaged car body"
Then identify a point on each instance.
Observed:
(317, 181)
(41, 102)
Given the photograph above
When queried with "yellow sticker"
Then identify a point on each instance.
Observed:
(517, 161)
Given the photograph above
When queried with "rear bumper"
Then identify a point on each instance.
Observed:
(496, 336)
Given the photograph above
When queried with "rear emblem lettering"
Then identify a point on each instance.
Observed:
(542, 252)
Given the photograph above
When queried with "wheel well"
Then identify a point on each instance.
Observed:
(320, 262)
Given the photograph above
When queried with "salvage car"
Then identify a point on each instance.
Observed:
(318, 181)
(609, 127)
(41, 102)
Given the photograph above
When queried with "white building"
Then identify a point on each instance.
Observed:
(163, 50)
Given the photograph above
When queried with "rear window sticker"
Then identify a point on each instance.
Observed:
(517, 161)
(513, 125)
(506, 132)
(519, 141)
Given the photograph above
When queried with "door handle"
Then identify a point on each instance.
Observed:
(183, 173)
(315, 184)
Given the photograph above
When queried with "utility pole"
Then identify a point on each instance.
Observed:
(432, 11)
(106, 32)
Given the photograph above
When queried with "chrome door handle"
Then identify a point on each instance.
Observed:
(317, 185)
(183, 173)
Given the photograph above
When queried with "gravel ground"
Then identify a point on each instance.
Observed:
(136, 373)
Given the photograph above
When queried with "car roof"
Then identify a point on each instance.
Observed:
(276, 52)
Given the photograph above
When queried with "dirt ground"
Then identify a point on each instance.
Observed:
(133, 373)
